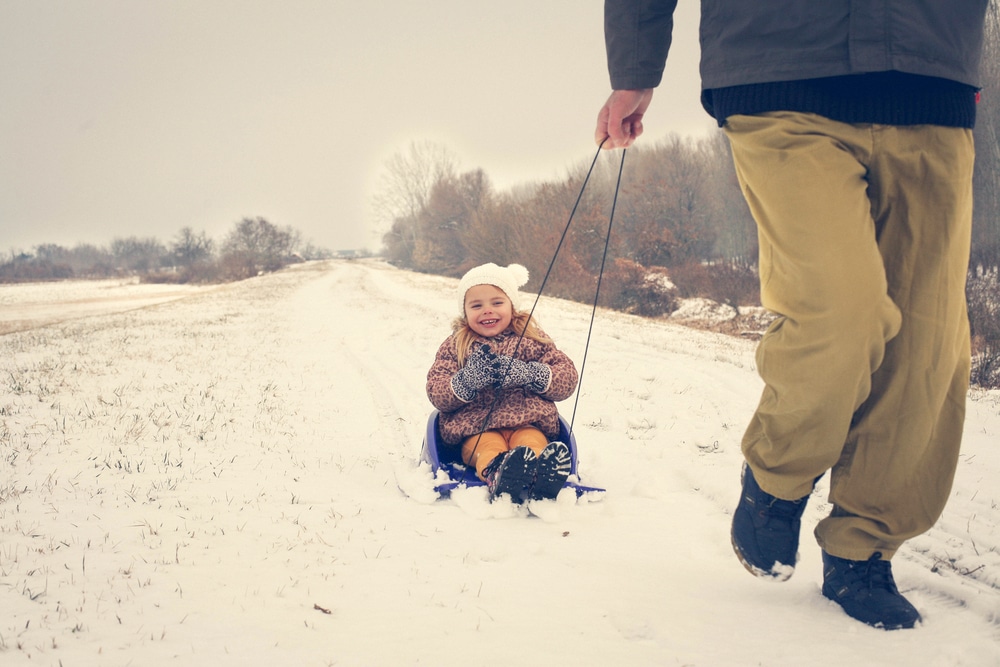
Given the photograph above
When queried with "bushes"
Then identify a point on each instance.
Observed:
(198, 273)
(53, 262)
(730, 283)
(22, 269)
(653, 291)
(633, 288)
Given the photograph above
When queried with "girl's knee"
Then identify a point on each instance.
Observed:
(530, 437)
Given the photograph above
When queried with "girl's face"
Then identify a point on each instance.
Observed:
(487, 310)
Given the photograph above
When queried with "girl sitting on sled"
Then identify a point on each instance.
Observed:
(499, 365)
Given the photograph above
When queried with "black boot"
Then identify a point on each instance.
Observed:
(765, 531)
(867, 592)
(554, 464)
(511, 473)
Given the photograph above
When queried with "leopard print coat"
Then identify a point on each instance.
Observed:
(516, 407)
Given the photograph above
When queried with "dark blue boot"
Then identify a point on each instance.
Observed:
(511, 473)
(867, 592)
(765, 531)
(554, 464)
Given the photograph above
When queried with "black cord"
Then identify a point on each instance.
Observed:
(597, 292)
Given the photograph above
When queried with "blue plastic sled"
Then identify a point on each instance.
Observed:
(448, 458)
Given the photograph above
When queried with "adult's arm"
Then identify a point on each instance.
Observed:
(637, 37)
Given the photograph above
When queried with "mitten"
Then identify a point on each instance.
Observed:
(532, 375)
(478, 372)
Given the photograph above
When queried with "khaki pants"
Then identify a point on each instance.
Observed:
(479, 450)
(864, 244)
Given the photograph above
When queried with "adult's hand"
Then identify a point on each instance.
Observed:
(620, 119)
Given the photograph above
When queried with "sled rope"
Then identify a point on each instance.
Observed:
(597, 291)
(545, 279)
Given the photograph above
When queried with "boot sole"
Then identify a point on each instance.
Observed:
(780, 571)
(516, 475)
(553, 470)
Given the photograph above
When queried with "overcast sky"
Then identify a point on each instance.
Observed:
(138, 118)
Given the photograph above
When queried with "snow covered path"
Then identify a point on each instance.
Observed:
(213, 481)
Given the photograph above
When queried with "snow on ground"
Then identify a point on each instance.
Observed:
(31, 305)
(215, 481)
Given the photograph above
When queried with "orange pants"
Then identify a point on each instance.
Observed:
(480, 449)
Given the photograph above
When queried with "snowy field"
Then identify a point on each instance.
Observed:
(36, 304)
(215, 480)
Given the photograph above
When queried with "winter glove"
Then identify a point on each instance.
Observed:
(532, 375)
(478, 372)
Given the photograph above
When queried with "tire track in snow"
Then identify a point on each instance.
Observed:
(343, 320)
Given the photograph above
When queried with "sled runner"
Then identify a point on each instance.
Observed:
(447, 458)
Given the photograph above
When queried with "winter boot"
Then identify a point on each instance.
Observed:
(554, 464)
(511, 473)
(867, 592)
(765, 531)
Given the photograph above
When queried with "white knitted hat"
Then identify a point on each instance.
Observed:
(507, 279)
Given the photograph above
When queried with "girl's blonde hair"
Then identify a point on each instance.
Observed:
(521, 323)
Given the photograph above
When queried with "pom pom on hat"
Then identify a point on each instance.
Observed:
(507, 279)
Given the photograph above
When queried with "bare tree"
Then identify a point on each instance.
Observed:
(667, 204)
(404, 191)
(256, 246)
(733, 226)
(498, 231)
(190, 248)
(139, 254)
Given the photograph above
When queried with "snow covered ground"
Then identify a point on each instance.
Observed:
(37, 304)
(215, 481)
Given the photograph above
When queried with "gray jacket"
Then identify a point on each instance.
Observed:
(761, 41)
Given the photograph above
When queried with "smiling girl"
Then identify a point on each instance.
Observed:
(495, 381)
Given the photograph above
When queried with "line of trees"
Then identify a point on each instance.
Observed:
(679, 207)
(252, 247)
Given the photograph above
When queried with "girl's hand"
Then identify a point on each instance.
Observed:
(532, 375)
(478, 372)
